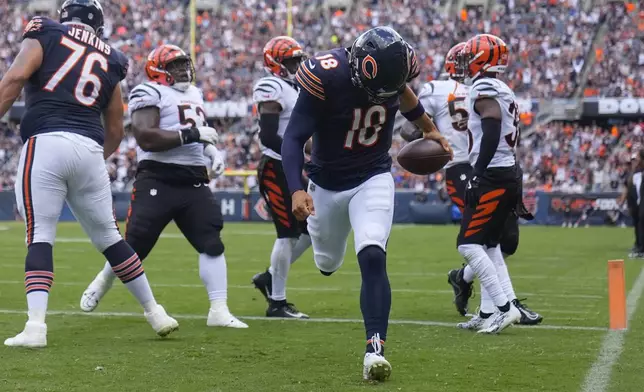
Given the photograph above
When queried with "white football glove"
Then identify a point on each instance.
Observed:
(218, 163)
(208, 135)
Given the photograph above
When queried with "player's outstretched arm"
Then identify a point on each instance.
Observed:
(113, 118)
(269, 123)
(26, 63)
(490, 112)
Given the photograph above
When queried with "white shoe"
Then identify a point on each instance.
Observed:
(501, 320)
(474, 324)
(375, 366)
(34, 335)
(162, 324)
(223, 318)
(94, 293)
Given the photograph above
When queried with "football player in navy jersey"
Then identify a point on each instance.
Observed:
(71, 78)
(347, 102)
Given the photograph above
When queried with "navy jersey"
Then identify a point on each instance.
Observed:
(351, 136)
(74, 83)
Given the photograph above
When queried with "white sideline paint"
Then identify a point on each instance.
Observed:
(598, 377)
(311, 320)
(325, 289)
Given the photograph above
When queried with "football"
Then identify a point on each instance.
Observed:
(423, 156)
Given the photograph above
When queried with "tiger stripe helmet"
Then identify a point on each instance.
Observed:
(282, 56)
(484, 53)
(170, 66)
(451, 67)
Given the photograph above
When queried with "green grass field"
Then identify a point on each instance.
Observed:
(561, 271)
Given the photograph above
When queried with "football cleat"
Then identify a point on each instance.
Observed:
(263, 282)
(162, 324)
(94, 293)
(221, 317)
(375, 366)
(474, 324)
(462, 290)
(528, 316)
(33, 336)
(501, 320)
(283, 309)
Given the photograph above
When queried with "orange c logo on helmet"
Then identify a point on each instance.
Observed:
(369, 74)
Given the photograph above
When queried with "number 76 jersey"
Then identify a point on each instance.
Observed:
(495, 89)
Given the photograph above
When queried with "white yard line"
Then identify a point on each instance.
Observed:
(312, 320)
(598, 377)
(321, 289)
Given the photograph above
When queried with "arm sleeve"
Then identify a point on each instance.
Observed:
(301, 127)
(269, 124)
(489, 143)
(143, 96)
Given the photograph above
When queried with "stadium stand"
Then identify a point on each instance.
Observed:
(552, 42)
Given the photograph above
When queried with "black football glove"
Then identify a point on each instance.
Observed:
(522, 212)
(472, 192)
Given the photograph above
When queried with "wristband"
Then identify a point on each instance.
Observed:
(189, 135)
(415, 113)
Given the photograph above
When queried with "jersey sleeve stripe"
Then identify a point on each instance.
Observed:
(311, 84)
(269, 85)
(307, 88)
(311, 75)
(153, 88)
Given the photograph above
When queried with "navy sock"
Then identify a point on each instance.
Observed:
(375, 294)
(39, 267)
(124, 261)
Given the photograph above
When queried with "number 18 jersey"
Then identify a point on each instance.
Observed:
(496, 89)
(177, 110)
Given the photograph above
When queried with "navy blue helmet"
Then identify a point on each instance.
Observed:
(380, 63)
(87, 12)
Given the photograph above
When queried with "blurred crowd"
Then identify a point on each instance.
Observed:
(619, 67)
(549, 39)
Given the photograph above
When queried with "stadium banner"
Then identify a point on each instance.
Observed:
(613, 107)
(410, 207)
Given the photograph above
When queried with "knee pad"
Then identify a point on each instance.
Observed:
(327, 265)
(373, 235)
(509, 244)
(213, 247)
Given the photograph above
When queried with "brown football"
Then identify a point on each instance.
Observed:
(423, 156)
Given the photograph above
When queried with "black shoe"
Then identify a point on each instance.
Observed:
(528, 317)
(462, 290)
(283, 309)
(263, 282)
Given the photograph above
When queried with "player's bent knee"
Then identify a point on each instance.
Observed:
(327, 265)
(374, 235)
(509, 245)
(213, 247)
(470, 251)
(105, 238)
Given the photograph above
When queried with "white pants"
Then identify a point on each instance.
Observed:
(367, 208)
(60, 166)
